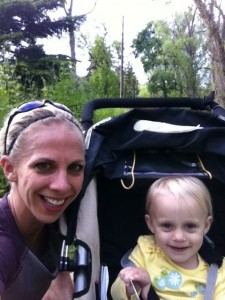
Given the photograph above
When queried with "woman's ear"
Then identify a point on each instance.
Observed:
(8, 169)
(148, 221)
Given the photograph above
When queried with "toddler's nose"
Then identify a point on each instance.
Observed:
(178, 235)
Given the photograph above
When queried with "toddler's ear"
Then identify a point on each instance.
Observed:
(208, 224)
(8, 169)
(148, 221)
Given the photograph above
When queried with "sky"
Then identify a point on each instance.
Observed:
(136, 14)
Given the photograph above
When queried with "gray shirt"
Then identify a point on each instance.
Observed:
(22, 274)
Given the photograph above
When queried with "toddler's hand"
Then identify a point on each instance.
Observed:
(140, 278)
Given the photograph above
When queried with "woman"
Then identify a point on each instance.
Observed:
(42, 157)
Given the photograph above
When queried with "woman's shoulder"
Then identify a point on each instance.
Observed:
(7, 221)
(3, 202)
(5, 212)
(12, 251)
(12, 243)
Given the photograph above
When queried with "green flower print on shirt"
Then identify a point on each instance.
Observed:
(200, 288)
(160, 281)
(174, 280)
(171, 280)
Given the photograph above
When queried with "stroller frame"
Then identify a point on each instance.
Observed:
(108, 207)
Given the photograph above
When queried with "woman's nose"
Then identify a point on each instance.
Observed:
(60, 182)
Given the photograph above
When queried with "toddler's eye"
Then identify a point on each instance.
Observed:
(167, 226)
(190, 226)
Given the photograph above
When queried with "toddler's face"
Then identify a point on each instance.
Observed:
(179, 227)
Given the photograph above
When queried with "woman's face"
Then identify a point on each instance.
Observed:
(49, 175)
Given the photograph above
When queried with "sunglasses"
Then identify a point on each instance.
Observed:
(25, 107)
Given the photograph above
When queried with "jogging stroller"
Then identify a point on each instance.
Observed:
(125, 154)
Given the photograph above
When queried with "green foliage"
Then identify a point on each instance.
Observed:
(147, 46)
(72, 94)
(36, 69)
(130, 83)
(11, 91)
(4, 186)
(106, 113)
(100, 54)
(175, 56)
(27, 20)
(104, 82)
(22, 22)
(162, 82)
(144, 92)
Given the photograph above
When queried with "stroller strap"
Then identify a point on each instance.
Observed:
(211, 281)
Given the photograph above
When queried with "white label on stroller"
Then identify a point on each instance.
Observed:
(163, 127)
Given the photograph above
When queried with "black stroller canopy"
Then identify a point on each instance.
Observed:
(116, 139)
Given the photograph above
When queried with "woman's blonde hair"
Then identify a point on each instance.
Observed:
(181, 187)
(19, 122)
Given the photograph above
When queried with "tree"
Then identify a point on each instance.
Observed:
(185, 47)
(129, 86)
(11, 91)
(103, 79)
(22, 22)
(213, 18)
(74, 23)
(130, 83)
(34, 69)
(147, 46)
(174, 55)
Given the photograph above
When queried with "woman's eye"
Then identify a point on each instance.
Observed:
(76, 168)
(43, 167)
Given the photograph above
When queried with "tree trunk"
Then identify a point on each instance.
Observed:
(216, 44)
(72, 40)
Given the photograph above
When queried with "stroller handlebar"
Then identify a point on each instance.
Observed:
(89, 108)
